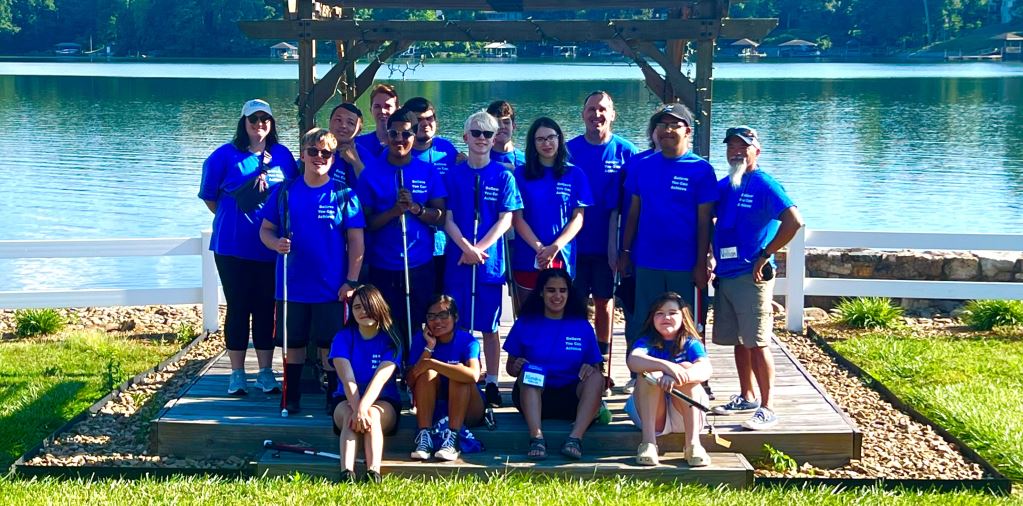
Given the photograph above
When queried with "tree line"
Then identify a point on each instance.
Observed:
(209, 27)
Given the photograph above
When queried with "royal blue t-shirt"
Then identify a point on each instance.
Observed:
(560, 347)
(625, 201)
(498, 193)
(514, 157)
(236, 233)
(366, 355)
(602, 164)
(318, 262)
(343, 172)
(378, 191)
(692, 350)
(747, 220)
(462, 348)
(442, 156)
(370, 143)
(672, 190)
(547, 206)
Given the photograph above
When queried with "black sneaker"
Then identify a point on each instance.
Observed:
(493, 395)
(372, 477)
(346, 476)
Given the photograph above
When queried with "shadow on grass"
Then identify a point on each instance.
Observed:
(30, 422)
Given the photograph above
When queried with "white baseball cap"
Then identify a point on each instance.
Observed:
(255, 105)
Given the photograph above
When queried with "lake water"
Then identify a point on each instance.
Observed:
(103, 150)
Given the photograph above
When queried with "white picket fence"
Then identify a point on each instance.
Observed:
(795, 287)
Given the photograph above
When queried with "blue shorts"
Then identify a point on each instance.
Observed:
(487, 307)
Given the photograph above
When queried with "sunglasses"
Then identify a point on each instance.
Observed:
(322, 153)
(443, 315)
(258, 118)
(405, 134)
(547, 139)
(485, 133)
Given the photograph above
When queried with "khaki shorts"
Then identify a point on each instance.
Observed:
(743, 313)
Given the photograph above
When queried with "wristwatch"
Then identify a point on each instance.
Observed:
(764, 254)
(422, 209)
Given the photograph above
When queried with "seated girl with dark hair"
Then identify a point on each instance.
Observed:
(446, 369)
(552, 350)
(366, 356)
(669, 348)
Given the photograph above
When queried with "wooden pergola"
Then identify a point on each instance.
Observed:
(699, 21)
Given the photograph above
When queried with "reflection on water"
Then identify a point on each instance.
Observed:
(100, 157)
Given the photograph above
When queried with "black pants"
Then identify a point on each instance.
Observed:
(392, 286)
(249, 290)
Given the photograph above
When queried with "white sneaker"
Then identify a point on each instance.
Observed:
(630, 386)
(696, 456)
(424, 445)
(449, 447)
(236, 385)
(266, 381)
(646, 455)
(762, 419)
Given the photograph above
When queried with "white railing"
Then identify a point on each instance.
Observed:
(208, 294)
(797, 285)
(794, 287)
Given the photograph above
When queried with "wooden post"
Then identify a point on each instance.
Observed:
(704, 96)
(306, 66)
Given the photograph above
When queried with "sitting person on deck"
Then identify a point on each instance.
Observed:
(366, 356)
(443, 380)
(669, 348)
(552, 350)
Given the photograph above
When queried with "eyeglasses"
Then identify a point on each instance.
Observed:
(547, 139)
(322, 153)
(443, 315)
(259, 118)
(405, 134)
(487, 134)
(679, 125)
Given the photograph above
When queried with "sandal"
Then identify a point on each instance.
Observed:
(537, 449)
(573, 448)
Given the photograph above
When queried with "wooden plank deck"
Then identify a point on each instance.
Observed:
(205, 421)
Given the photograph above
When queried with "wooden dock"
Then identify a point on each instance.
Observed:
(205, 422)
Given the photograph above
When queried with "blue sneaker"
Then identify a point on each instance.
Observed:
(762, 419)
(737, 404)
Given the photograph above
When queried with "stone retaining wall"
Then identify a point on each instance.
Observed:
(858, 263)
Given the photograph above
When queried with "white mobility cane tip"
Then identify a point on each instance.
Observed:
(284, 413)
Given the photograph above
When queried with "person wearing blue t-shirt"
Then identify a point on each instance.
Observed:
(671, 353)
(366, 356)
(439, 153)
(316, 224)
(236, 180)
(504, 151)
(552, 351)
(447, 364)
(481, 198)
(755, 219)
(600, 154)
(667, 235)
(350, 158)
(383, 102)
(554, 196)
(393, 186)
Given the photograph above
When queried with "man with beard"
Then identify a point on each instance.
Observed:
(755, 218)
(383, 102)
(345, 124)
(667, 234)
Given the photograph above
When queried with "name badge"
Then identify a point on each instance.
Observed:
(533, 375)
(729, 253)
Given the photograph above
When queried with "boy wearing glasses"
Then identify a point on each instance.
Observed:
(316, 225)
(398, 184)
(482, 195)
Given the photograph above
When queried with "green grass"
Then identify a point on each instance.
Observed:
(46, 381)
(971, 387)
(34, 322)
(869, 313)
(516, 489)
(988, 314)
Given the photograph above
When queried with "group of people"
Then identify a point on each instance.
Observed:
(388, 250)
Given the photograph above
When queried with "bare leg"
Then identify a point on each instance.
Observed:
(237, 358)
(744, 369)
(602, 318)
(348, 439)
(693, 419)
(383, 419)
(763, 368)
(464, 405)
(531, 400)
(425, 392)
(651, 408)
(265, 358)
(589, 392)
(492, 352)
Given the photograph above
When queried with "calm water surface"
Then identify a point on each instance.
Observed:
(93, 150)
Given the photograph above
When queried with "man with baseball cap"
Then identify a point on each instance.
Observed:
(755, 218)
(667, 233)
